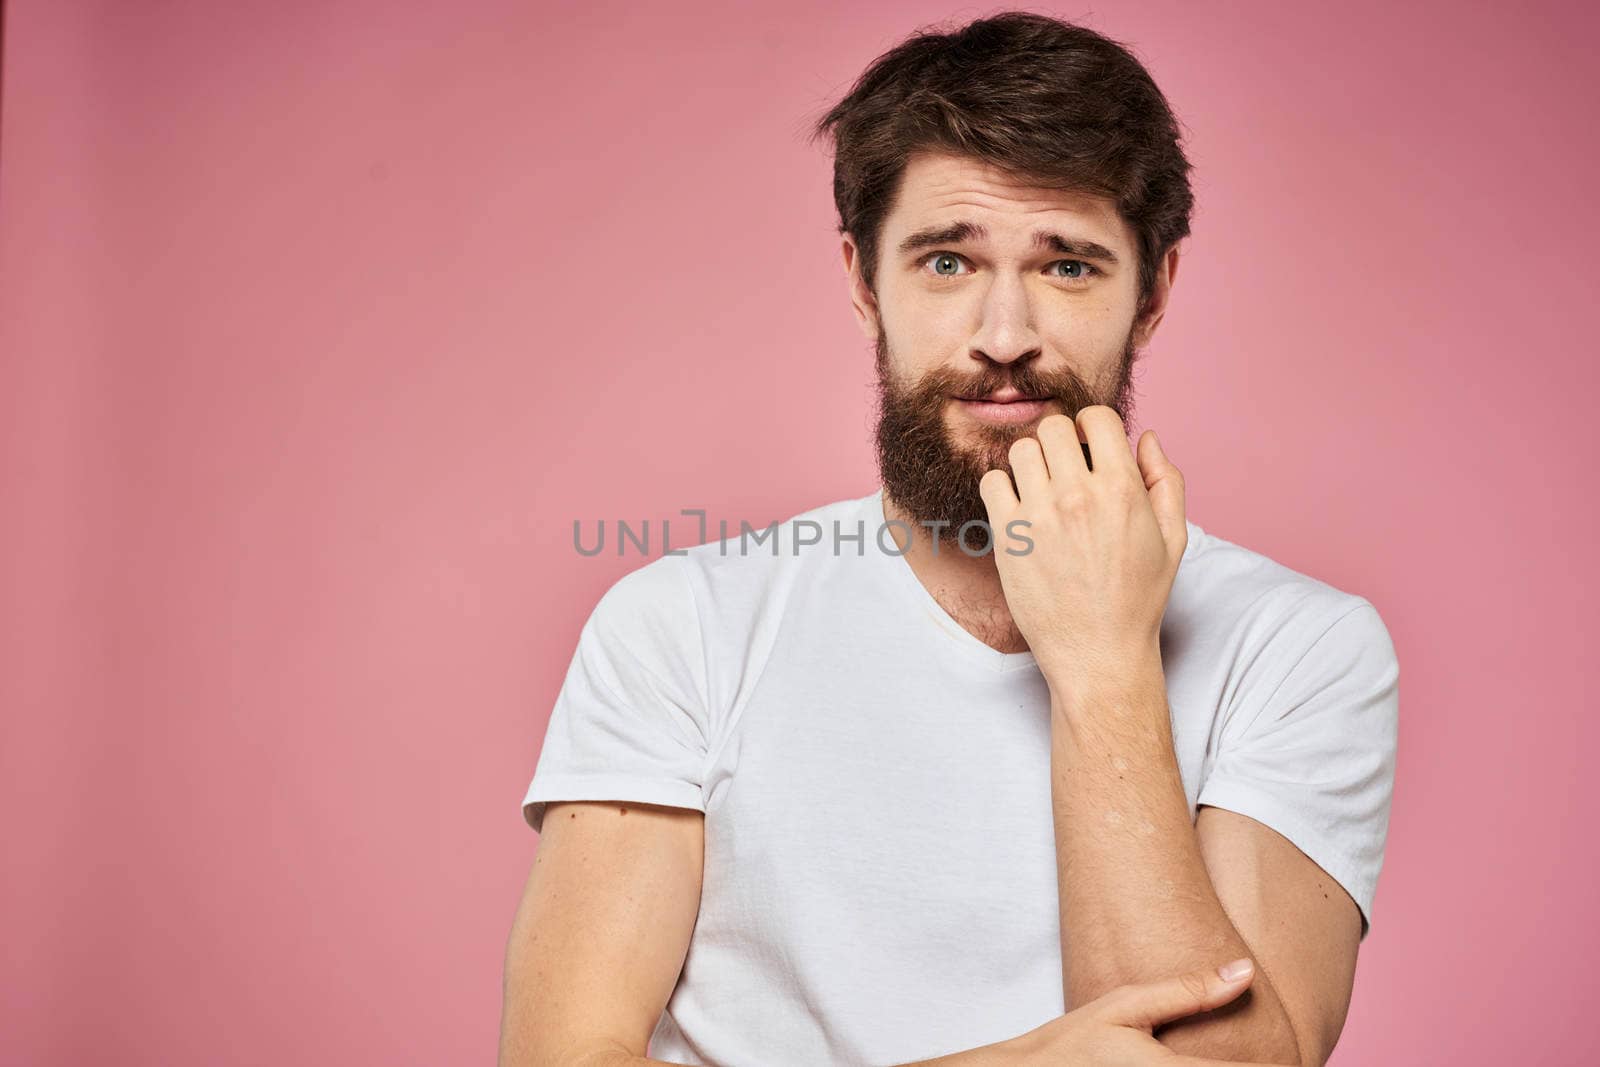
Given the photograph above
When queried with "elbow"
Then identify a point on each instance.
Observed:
(1230, 1036)
(1302, 1052)
(1306, 1056)
(1248, 1049)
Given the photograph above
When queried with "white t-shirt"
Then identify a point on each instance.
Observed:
(880, 866)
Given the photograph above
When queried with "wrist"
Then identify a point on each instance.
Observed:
(1112, 678)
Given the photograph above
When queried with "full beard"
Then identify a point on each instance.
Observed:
(932, 478)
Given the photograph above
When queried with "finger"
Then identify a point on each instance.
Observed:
(1151, 1003)
(1063, 452)
(1164, 482)
(1107, 439)
(999, 496)
(1027, 467)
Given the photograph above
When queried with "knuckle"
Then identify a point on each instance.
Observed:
(1194, 988)
(1071, 503)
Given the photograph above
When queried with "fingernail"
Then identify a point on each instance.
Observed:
(1236, 971)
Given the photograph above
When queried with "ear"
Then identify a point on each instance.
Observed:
(861, 298)
(1160, 293)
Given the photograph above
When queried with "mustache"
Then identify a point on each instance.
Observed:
(1027, 381)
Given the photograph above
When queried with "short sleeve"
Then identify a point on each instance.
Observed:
(629, 722)
(1315, 761)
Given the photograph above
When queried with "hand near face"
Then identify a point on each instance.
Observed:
(1107, 543)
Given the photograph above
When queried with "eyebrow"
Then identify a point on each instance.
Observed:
(959, 232)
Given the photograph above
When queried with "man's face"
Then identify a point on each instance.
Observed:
(983, 329)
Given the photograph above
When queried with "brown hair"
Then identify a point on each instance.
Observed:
(1055, 104)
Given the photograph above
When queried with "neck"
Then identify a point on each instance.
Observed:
(967, 587)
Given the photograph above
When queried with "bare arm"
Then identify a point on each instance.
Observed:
(1147, 892)
(1136, 899)
(604, 924)
(600, 934)
(1301, 923)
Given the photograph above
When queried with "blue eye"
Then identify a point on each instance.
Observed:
(1083, 267)
(948, 265)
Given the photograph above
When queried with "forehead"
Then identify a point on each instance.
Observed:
(937, 187)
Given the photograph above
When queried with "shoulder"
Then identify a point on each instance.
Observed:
(723, 587)
(709, 615)
(749, 566)
(1260, 609)
(645, 625)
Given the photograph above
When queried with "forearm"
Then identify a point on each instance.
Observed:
(999, 1054)
(985, 1056)
(1137, 903)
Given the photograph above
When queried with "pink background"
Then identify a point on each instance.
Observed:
(322, 322)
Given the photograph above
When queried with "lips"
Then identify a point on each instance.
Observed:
(1003, 396)
(1005, 408)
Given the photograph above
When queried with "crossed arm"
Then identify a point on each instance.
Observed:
(1147, 893)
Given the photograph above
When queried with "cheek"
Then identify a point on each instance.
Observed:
(1089, 336)
(932, 328)
(922, 334)
(1102, 328)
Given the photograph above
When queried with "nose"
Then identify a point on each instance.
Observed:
(1006, 333)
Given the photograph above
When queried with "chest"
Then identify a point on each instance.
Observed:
(894, 809)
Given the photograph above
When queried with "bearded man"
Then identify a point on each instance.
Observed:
(1006, 761)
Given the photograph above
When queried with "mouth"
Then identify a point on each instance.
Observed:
(1004, 407)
